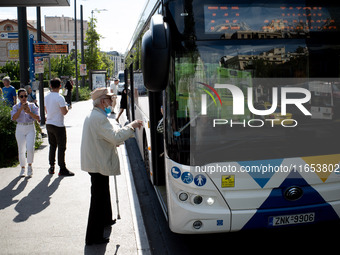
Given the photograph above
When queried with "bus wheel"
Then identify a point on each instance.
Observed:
(146, 159)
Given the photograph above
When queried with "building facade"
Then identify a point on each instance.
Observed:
(9, 44)
(118, 60)
(61, 29)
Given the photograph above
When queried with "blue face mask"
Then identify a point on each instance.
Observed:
(107, 109)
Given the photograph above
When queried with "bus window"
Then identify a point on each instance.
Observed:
(259, 65)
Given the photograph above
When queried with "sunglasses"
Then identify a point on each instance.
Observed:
(22, 96)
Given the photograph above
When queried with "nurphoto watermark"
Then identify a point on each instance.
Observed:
(268, 168)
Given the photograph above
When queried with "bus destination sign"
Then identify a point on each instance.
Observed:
(55, 48)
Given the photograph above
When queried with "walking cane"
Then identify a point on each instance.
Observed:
(117, 201)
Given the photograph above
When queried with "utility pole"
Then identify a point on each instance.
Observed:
(23, 46)
(82, 43)
(41, 75)
(75, 44)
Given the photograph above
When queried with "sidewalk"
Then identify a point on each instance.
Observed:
(48, 214)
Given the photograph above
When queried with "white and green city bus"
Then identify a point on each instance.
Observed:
(240, 147)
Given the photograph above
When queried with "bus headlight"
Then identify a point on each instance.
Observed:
(210, 201)
(183, 196)
(197, 199)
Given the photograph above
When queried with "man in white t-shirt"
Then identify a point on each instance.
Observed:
(113, 89)
(113, 86)
(56, 109)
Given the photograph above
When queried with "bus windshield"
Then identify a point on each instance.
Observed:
(261, 49)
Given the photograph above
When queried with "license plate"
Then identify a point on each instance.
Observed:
(291, 219)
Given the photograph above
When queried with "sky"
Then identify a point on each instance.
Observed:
(116, 25)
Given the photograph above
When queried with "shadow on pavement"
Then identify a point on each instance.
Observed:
(8, 193)
(100, 249)
(95, 249)
(37, 200)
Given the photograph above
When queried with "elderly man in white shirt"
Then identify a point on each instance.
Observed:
(99, 157)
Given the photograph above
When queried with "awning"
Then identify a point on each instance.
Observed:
(22, 3)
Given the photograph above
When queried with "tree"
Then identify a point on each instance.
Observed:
(12, 69)
(62, 66)
(94, 59)
(108, 64)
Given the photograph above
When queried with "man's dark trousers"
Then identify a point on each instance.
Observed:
(100, 214)
(57, 138)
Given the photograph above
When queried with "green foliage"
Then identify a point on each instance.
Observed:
(16, 84)
(84, 94)
(12, 69)
(61, 66)
(38, 138)
(108, 64)
(8, 145)
(94, 59)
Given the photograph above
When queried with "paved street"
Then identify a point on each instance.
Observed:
(48, 214)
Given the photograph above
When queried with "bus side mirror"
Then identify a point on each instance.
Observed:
(156, 55)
